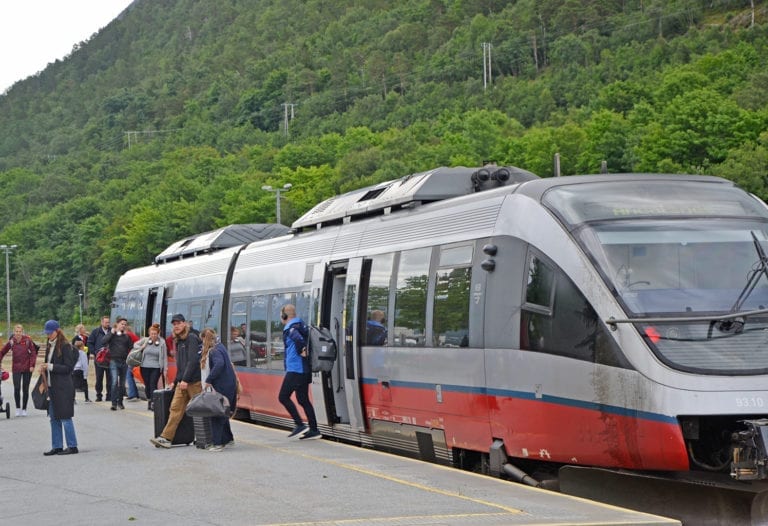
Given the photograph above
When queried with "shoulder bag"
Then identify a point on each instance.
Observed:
(208, 403)
(102, 357)
(135, 358)
(40, 396)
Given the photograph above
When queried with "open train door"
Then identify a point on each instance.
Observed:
(337, 285)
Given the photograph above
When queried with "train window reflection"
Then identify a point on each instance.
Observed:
(378, 300)
(257, 336)
(411, 298)
(276, 351)
(453, 256)
(451, 312)
(571, 329)
(237, 341)
(540, 287)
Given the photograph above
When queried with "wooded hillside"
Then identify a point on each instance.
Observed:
(169, 121)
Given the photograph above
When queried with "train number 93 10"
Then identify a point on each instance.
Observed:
(754, 401)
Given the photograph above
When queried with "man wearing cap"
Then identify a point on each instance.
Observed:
(187, 383)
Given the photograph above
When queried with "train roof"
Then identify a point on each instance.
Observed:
(226, 237)
(536, 189)
(411, 190)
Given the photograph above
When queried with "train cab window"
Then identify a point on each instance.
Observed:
(256, 338)
(450, 326)
(378, 300)
(558, 319)
(539, 288)
(411, 298)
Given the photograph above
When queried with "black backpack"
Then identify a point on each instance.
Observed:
(322, 349)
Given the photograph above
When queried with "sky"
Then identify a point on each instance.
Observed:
(34, 33)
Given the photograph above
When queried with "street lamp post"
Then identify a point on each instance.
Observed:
(8, 249)
(80, 295)
(286, 188)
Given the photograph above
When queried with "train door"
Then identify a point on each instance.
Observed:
(155, 308)
(341, 387)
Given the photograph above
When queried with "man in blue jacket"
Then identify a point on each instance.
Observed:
(298, 375)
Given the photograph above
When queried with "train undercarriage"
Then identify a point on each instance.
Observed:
(727, 483)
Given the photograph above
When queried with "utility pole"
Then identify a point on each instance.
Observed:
(285, 106)
(8, 249)
(487, 77)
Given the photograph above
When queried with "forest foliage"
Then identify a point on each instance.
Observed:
(170, 120)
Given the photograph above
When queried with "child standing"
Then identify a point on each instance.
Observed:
(80, 372)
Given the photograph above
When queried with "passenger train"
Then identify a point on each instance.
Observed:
(614, 321)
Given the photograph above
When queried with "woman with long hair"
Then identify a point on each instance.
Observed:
(218, 373)
(60, 360)
(24, 353)
(154, 360)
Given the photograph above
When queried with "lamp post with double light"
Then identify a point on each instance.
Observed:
(286, 188)
(8, 249)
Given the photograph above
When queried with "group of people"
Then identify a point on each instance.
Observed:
(202, 362)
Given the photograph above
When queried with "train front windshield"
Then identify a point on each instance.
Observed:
(674, 250)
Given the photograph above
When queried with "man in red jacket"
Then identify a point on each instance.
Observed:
(24, 356)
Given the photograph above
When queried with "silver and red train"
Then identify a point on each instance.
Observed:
(602, 321)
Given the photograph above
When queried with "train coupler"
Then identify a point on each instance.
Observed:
(750, 455)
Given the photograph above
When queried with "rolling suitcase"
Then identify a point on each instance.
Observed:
(203, 434)
(161, 404)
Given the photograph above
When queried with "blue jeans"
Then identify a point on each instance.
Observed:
(117, 372)
(57, 441)
(132, 391)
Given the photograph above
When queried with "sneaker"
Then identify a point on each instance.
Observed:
(161, 442)
(215, 448)
(98, 399)
(121, 406)
(18, 412)
(113, 408)
(312, 434)
(133, 399)
(23, 412)
(231, 443)
(298, 431)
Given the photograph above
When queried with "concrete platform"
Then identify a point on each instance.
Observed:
(266, 479)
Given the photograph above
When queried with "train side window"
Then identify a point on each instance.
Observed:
(451, 307)
(195, 318)
(302, 301)
(540, 287)
(211, 310)
(276, 346)
(236, 337)
(257, 335)
(411, 298)
(378, 300)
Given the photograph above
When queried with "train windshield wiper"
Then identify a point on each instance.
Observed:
(734, 321)
(754, 276)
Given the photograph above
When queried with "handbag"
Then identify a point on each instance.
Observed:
(40, 396)
(135, 358)
(102, 357)
(208, 403)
